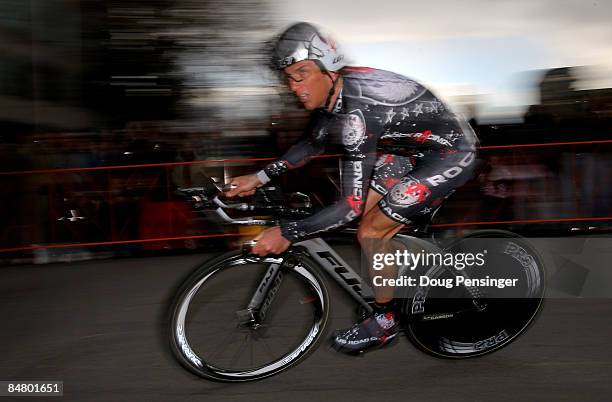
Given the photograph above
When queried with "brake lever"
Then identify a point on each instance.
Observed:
(247, 247)
(224, 188)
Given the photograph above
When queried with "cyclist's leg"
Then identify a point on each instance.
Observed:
(375, 233)
(376, 229)
(400, 199)
(382, 326)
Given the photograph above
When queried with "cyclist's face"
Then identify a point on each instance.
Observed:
(308, 83)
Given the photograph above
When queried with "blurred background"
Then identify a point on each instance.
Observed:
(106, 107)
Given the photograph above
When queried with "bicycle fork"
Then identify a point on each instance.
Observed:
(265, 293)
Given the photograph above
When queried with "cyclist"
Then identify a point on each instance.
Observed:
(360, 109)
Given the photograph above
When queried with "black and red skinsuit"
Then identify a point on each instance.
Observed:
(396, 138)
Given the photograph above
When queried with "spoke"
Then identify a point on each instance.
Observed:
(240, 350)
(251, 353)
(267, 347)
(214, 333)
(226, 342)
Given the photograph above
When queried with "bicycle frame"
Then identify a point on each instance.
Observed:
(317, 249)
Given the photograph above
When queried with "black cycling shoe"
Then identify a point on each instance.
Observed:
(373, 332)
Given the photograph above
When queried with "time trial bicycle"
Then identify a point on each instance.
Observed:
(240, 317)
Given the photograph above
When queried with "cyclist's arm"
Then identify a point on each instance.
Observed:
(357, 168)
(299, 154)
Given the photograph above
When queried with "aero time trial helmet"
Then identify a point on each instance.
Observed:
(302, 41)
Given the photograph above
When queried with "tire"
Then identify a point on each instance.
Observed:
(447, 323)
(207, 338)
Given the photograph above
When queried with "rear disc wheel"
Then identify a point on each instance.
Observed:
(459, 322)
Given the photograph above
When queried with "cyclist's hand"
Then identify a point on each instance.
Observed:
(243, 186)
(270, 241)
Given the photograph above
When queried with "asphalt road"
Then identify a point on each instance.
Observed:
(97, 326)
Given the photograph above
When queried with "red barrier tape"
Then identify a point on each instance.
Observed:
(213, 161)
(110, 243)
(443, 225)
(547, 144)
(219, 235)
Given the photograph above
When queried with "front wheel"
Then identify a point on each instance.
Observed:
(219, 333)
(465, 321)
